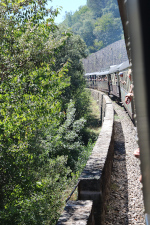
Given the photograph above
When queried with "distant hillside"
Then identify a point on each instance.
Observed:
(98, 23)
(110, 55)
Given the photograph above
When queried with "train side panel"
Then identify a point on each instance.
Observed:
(125, 85)
(114, 85)
(128, 107)
(102, 85)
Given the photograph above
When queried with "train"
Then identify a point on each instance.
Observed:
(117, 82)
(135, 19)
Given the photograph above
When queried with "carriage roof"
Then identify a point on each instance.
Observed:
(123, 66)
(112, 69)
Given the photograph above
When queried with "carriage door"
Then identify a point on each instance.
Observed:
(109, 83)
(117, 84)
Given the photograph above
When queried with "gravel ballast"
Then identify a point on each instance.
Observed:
(125, 203)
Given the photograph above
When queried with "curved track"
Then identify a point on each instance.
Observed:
(125, 204)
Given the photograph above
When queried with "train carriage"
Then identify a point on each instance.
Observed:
(90, 79)
(102, 81)
(122, 81)
(97, 80)
(135, 18)
(125, 78)
(115, 81)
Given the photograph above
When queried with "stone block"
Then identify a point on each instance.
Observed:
(77, 213)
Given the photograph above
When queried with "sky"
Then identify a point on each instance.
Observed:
(68, 5)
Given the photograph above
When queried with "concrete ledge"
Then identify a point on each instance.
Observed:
(77, 213)
(95, 178)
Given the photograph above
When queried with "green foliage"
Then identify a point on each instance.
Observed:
(86, 32)
(98, 23)
(40, 129)
(79, 16)
(96, 7)
(73, 51)
(43, 199)
(107, 28)
(111, 6)
(66, 140)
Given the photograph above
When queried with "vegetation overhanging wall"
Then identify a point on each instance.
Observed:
(93, 188)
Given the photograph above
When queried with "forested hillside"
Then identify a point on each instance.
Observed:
(44, 142)
(98, 23)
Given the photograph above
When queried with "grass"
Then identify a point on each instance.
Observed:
(94, 118)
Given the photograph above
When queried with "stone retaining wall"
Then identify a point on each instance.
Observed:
(95, 179)
(112, 54)
(77, 213)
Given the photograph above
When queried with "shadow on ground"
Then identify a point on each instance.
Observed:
(117, 205)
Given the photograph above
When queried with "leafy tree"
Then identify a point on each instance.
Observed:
(69, 19)
(78, 16)
(41, 128)
(32, 87)
(96, 6)
(66, 140)
(107, 28)
(89, 20)
(76, 28)
(73, 51)
(86, 32)
(112, 6)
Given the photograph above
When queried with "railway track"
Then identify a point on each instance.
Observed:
(125, 204)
